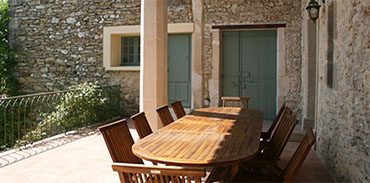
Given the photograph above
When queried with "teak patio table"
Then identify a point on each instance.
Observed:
(206, 137)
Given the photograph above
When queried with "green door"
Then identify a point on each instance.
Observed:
(249, 68)
(179, 64)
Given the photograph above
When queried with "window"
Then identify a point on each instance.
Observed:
(130, 51)
(121, 45)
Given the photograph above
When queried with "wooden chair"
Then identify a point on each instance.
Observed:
(281, 136)
(299, 156)
(268, 158)
(141, 124)
(165, 115)
(178, 109)
(235, 101)
(157, 174)
(118, 139)
(288, 173)
(265, 136)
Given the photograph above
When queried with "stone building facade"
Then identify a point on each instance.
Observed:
(62, 40)
(60, 43)
(343, 110)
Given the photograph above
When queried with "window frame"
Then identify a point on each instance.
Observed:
(128, 44)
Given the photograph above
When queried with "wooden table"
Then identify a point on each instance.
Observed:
(206, 137)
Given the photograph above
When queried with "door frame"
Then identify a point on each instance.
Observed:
(215, 84)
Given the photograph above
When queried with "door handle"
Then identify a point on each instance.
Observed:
(235, 84)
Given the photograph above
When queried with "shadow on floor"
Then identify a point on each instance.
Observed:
(311, 171)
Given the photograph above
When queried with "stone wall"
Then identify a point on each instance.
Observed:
(60, 42)
(179, 11)
(219, 12)
(343, 114)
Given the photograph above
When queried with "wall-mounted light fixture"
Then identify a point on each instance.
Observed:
(313, 9)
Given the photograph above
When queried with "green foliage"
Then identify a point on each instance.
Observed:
(26, 119)
(7, 80)
(81, 106)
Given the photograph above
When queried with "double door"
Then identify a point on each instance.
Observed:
(249, 68)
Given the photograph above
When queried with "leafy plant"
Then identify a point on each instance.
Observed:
(79, 107)
(7, 80)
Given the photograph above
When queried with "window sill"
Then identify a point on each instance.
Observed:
(123, 68)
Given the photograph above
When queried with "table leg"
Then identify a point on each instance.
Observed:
(234, 170)
(224, 174)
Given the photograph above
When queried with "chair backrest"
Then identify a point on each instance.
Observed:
(118, 139)
(178, 109)
(141, 124)
(235, 101)
(281, 136)
(299, 156)
(165, 115)
(157, 174)
(276, 120)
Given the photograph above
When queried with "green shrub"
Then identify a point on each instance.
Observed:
(79, 107)
(7, 80)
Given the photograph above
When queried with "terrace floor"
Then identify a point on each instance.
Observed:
(87, 160)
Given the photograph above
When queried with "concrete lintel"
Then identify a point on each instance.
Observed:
(180, 28)
(127, 30)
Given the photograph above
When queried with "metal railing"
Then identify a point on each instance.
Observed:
(29, 118)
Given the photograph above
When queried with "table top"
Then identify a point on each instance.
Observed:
(206, 137)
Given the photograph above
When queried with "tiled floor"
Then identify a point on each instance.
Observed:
(87, 160)
(311, 170)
